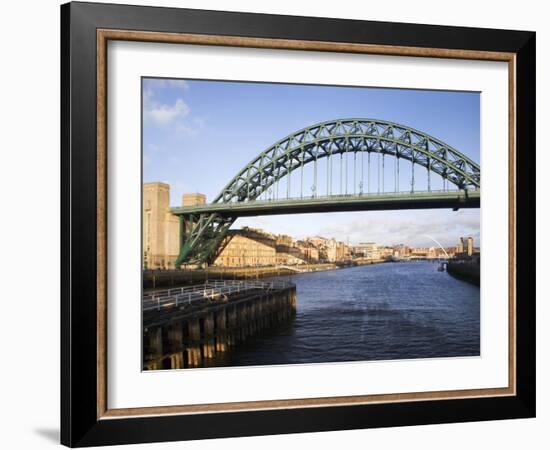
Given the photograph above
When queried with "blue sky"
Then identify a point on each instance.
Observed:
(198, 134)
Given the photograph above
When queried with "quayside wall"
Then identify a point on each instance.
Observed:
(153, 279)
(185, 327)
(165, 278)
(467, 270)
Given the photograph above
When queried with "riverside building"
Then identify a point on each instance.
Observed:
(247, 247)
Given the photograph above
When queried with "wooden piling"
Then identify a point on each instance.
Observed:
(215, 326)
(193, 349)
(220, 330)
(152, 348)
(174, 344)
(208, 336)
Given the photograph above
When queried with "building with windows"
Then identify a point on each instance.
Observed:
(309, 251)
(368, 250)
(401, 251)
(466, 246)
(247, 248)
(470, 246)
(160, 228)
(460, 246)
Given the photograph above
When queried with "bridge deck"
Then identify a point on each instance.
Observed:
(335, 203)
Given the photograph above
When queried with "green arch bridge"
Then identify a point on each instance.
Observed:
(338, 165)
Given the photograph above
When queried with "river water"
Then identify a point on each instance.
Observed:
(377, 312)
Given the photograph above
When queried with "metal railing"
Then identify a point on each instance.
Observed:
(209, 291)
(450, 192)
(315, 199)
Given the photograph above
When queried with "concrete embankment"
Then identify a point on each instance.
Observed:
(165, 278)
(465, 270)
(367, 262)
(153, 279)
(187, 327)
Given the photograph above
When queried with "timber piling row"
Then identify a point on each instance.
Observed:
(186, 327)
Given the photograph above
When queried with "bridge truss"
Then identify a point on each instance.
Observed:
(278, 175)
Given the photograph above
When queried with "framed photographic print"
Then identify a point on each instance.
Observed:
(275, 224)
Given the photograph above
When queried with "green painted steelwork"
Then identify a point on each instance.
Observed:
(364, 202)
(204, 229)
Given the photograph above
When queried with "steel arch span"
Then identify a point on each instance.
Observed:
(201, 232)
(341, 136)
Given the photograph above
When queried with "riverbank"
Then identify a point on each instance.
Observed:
(210, 320)
(466, 270)
(153, 279)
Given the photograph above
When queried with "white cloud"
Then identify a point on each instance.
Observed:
(152, 86)
(165, 114)
(394, 229)
(383, 227)
(174, 113)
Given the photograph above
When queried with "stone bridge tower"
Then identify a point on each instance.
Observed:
(160, 226)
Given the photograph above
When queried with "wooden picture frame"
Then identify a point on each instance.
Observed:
(86, 418)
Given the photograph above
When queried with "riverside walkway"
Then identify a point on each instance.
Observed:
(184, 327)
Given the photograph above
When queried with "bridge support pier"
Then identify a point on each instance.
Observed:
(193, 349)
(174, 345)
(241, 323)
(152, 349)
(232, 326)
(221, 332)
(208, 337)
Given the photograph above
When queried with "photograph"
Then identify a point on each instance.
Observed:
(272, 223)
(303, 224)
